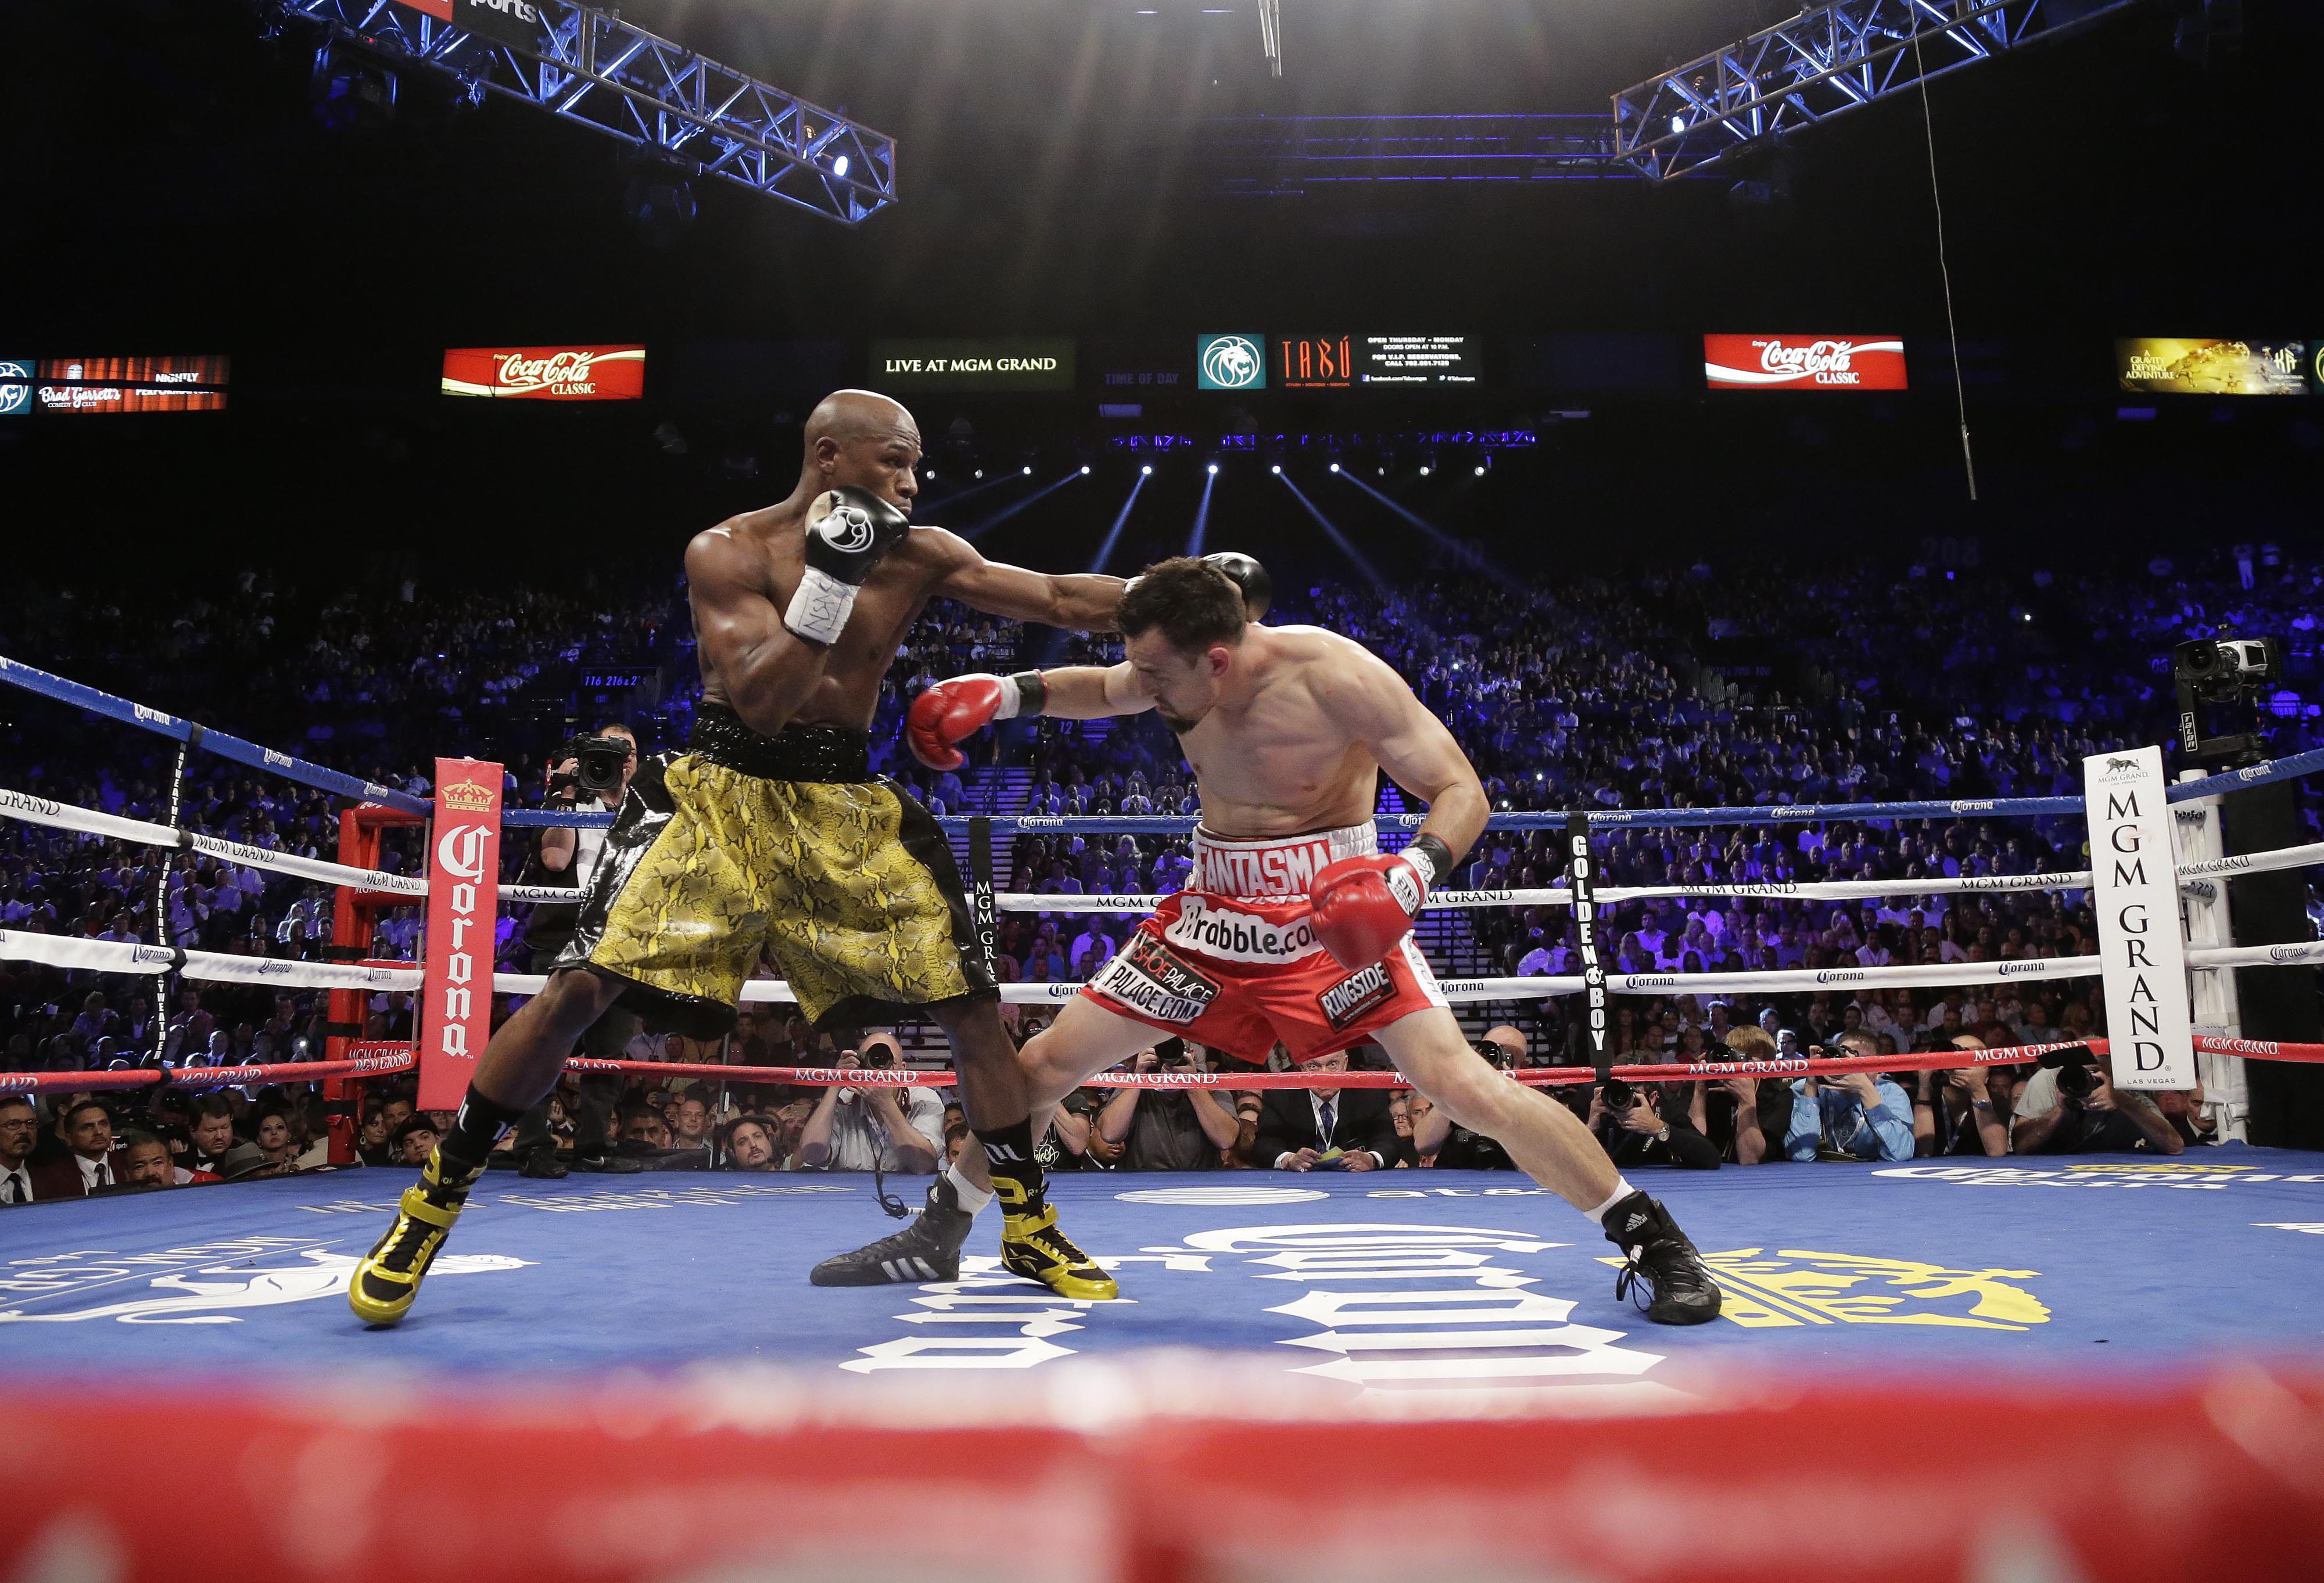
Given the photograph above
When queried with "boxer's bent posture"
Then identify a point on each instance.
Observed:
(1292, 926)
(771, 835)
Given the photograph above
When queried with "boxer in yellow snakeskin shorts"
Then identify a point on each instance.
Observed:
(785, 845)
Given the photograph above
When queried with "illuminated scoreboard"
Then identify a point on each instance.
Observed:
(1341, 362)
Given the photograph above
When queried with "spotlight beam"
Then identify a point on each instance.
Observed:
(1433, 532)
(1121, 519)
(980, 528)
(1331, 531)
(1202, 514)
(958, 495)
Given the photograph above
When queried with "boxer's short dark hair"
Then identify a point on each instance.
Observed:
(1189, 602)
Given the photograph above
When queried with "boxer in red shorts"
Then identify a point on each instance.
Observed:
(1293, 925)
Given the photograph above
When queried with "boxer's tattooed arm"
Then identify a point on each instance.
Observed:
(1411, 744)
(1079, 601)
(758, 666)
(1093, 692)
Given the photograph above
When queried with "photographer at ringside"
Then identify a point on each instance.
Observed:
(567, 856)
(2071, 1106)
(875, 1127)
(1170, 1131)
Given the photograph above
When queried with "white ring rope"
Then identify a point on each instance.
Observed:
(2282, 856)
(1020, 901)
(16, 804)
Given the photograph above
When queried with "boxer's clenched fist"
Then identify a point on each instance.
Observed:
(953, 711)
(1364, 906)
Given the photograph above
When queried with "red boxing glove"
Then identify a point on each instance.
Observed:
(1358, 915)
(953, 711)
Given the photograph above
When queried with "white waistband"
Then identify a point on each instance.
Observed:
(1274, 865)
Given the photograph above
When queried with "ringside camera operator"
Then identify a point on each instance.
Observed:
(1181, 1131)
(1856, 1116)
(2071, 1106)
(596, 772)
(896, 1130)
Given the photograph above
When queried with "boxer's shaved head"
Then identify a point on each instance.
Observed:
(860, 439)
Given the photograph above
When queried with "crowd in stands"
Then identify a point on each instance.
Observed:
(1740, 686)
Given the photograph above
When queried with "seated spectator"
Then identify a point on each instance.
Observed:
(1178, 1130)
(750, 1146)
(275, 1141)
(892, 1129)
(2053, 1119)
(1856, 1116)
(1346, 1129)
(145, 1161)
(414, 1139)
(1645, 1133)
(84, 1162)
(20, 1129)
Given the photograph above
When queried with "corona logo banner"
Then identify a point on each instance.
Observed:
(464, 898)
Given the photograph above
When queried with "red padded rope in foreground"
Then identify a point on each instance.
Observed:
(388, 1062)
(1162, 1474)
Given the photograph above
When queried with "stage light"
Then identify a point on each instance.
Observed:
(1424, 470)
(1028, 473)
(930, 475)
(1383, 473)
(1084, 471)
(1678, 124)
(1146, 472)
(1276, 469)
(1335, 467)
(1481, 469)
(1214, 466)
(839, 166)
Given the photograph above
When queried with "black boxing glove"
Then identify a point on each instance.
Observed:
(1246, 574)
(849, 531)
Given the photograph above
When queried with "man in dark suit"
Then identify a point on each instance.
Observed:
(20, 1129)
(86, 1130)
(1297, 1128)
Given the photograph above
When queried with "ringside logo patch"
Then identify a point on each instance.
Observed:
(1364, 990)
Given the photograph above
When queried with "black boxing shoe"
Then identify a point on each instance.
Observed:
(929, 1249)
(1665, 1277)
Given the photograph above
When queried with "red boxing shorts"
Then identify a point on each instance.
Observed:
(1231, 963)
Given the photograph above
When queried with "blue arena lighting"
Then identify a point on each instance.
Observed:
(1147, 471)
(1013, 507)
(1436, 534)
(1121, 521)
(1339, 539)
(969, 492)
(1203, 513)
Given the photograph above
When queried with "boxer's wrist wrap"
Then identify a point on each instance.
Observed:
(818, 611)
(1026, 693)
(1425, 860)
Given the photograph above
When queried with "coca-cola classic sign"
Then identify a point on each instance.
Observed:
(1804, 362)
(547, 373)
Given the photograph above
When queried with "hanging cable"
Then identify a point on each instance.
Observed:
(1944, 270)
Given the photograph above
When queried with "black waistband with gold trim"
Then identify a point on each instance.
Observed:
(797, 752)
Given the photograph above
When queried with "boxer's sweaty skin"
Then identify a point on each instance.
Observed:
(1296, 737)
(741, 575)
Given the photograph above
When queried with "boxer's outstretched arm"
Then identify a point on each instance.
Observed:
(1093, 692)
(766, 670)
(1411, 745)
(1080, 601)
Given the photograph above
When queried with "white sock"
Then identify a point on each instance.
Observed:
(973, 1198)
(1622, 1190)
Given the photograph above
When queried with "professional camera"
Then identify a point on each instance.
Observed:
(1493, 1054)
(2222, 671)
(2076, 1070)
(1173, 1053)
(597, 766)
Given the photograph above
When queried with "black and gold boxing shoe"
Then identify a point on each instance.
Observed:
(1032, 1247)
(388, 1278)
(929, 1249)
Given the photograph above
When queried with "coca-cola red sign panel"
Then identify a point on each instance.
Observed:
(1804, 362)
(547, 373)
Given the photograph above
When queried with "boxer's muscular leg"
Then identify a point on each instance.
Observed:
(1084, 1040)
(1546, 1139)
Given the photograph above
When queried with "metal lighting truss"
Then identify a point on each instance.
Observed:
(1272, 154)
(591, 67)
(1823, 62)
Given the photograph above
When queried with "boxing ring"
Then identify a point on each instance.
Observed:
(1348, 1374)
